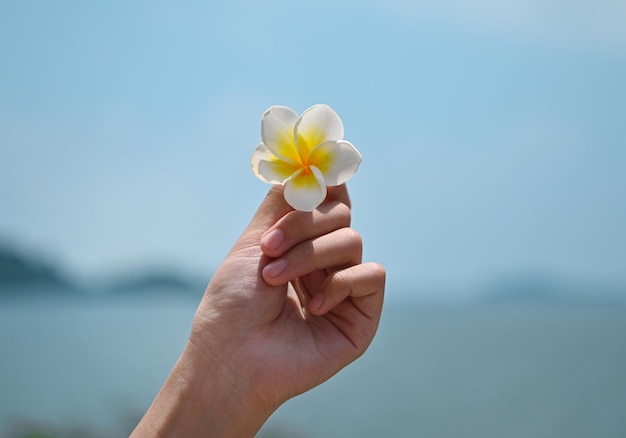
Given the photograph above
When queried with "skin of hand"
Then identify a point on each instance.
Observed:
(290, 306)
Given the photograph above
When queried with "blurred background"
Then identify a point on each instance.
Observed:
(492, 189)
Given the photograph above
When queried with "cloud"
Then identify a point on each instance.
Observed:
(598, 25)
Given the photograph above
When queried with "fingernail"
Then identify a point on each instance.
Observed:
(316, 302)
(273, 239)
(275, 268)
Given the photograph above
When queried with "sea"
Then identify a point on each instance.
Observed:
(89, 367)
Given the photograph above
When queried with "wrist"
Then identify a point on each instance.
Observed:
(204, 396)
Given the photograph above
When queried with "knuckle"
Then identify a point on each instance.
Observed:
(306, 251)
(337, 212)
(353, 238)
(344, 213)
(340, 279)
(378, 270)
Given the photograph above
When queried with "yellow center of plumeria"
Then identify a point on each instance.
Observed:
(305, 154)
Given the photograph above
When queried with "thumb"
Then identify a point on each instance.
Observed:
(271, 209)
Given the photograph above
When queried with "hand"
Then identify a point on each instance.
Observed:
(289, 307)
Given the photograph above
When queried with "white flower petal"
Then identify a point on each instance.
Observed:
(338, 161)
(317, 125)
(277, 132)
(305, 191)
(269, 168)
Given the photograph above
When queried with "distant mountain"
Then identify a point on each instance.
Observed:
(156, 280)
(18, 271)
(543, 287)
(21, 273)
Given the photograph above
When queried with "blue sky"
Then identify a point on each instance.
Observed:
(493, 136)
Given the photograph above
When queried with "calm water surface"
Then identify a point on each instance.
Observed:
(433, 371)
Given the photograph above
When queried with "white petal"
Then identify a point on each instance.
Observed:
(305, 191)
(317, 125)
(321, 117)
(269, 168)
(338, 161)
(277, 132)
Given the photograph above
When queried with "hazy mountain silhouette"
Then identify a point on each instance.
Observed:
(21, 272)
(18, 272)
(545, 287)
(156, 280)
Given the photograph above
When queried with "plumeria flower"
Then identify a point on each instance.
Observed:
(305, 153)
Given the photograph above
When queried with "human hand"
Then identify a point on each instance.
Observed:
(290, 306)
